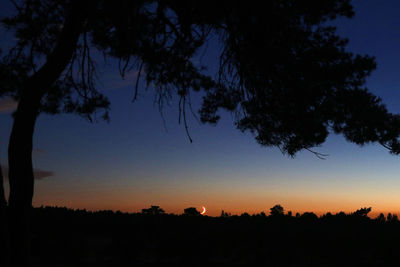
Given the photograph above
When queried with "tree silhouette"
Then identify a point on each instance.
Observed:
(252, 240)
(245, 215)
(283, 72)
(276, 210)
(153, 210)
(393, 218)
(309, 216)
(225, 214)
(381, 218)
(191, 211)
(363, 212)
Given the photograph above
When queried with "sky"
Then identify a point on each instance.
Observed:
(136, 160)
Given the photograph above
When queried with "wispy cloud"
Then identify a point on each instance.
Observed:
(38, 173)
(7, 105)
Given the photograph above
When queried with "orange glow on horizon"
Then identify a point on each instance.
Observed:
(236, 199)
(212, 210)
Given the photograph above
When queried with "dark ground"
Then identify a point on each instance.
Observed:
(64, 237)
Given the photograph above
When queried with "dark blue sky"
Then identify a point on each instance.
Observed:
(133, 161)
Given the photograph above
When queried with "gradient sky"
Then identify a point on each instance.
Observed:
(133, 161)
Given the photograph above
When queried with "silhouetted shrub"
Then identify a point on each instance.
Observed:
(191, 211)
(153, 210)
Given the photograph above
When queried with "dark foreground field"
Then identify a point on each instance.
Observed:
(63, 237)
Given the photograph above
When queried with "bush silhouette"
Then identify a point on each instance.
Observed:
(153, 210)
(191, 211)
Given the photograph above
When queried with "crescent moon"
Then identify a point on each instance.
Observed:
(204, 210)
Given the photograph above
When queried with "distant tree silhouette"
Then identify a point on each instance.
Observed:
(237, 239)
(276, 210)
(309, 216)
(283, 71)
(191, 211)
(153, 210)
(225, 214)
(393, 218)
(363, 212)
(245, 215)
(328, 216)
(381, 218)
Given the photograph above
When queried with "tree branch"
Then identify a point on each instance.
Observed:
(317, 154)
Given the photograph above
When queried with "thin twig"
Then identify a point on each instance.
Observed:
(191, 109)
(184, 119)
(317, 154)
(137, 82)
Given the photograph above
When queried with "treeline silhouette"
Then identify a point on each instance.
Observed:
(67, 237)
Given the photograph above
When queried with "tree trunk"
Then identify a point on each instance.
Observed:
(20, 145)
(21, 180)
(4, 239)
(3, 202)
